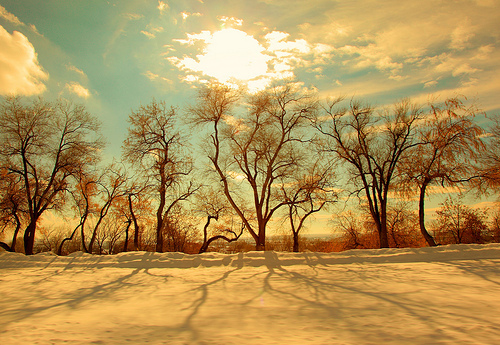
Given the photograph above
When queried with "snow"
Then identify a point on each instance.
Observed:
(443, 295)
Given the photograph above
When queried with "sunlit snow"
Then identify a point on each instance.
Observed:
(443, 295)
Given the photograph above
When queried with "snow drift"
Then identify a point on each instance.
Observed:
(443, 295)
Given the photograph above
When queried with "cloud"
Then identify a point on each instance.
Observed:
(456, 65)
(430, 83)
(153, 30)
(70, 67)
(150, 75)
(148, 34)
(9, 16)
(77, 89)
(230, 21)
(230, 55)
(20, 72)
(162, 6)
(133, 16)
(461, 36)
(277, 43)
(186, 15)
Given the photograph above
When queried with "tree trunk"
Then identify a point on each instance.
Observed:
(12, 247)
(29, 237)
(6, 247)
(14, 237)
(159, 212)
(59, 251)
(295, 242)
(382, 236)
(125, 245)
(421, 215)
(260, 244)
(136, 225)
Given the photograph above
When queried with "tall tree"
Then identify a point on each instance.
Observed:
(371, 145)
(155, 147)
(44, 144)
(250, 153)
(449, 145)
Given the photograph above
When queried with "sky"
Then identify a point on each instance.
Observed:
(114, 56)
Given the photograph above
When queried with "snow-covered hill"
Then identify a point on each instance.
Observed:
(444, 295)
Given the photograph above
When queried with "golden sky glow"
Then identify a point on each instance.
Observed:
(114, 55)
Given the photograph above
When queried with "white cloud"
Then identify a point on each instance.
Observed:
(20, 72)
(277, 42)
(150, 75)
(70, 67)
(186, 15)
(34, 29)
(230, 21)
(9, 16)
(148, 34)
(162, 6)
(232, 54)
(77, 89)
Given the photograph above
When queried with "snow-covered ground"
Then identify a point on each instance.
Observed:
(444, 295)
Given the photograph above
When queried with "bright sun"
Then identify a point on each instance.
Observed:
(230, 54)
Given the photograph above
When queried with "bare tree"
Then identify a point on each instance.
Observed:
(371, 145)
(212, 206)
(351, 230)
(309, 193)
(44, 144)
(133, 205)
(108, 234)
(450, 144)
(251, 153)
(83, 193)
(109, 189)
(94, 194)
(458, 223)
(180, 231)
(402, 226)
(155, 147)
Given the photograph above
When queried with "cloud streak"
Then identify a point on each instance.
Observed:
(77, 89)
